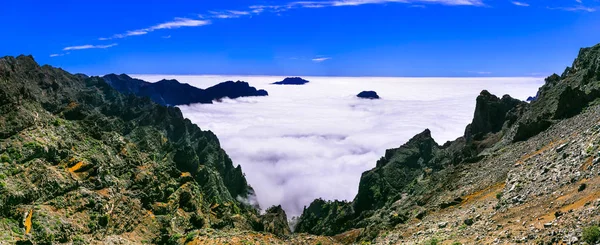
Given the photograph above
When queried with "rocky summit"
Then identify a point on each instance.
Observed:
(86, 160)
(522, 173)
(172, 92)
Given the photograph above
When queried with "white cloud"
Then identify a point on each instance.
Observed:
(176, 23)
(339, 3)
(179, 22)
(481, 72)
(166, 37)
(578, 8)
(321, 59)
(89, 46)
(305, 142)
(522, 4)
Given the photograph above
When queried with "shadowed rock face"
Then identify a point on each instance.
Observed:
(368, 95)
(75, 150)
(292, 81)
(172, 92)
(491, 113)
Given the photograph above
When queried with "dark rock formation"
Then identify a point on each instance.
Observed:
(275, 221)
(292, 81)
(319, 216)
(491, 114)
(368, 95)
(172, 92)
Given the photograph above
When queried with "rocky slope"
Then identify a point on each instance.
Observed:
(172, 92)
(522, 173)
(82, 163)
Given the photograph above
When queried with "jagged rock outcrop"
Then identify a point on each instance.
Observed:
(395, 174)
(491, 115)
(368, 95)
(395, 171)
(275, 221)
(172, 92)
(89, 163)
(292, 81)
(562, 96)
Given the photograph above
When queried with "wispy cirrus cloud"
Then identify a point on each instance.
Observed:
(176, 23)
(521, 4)
(58, 55)
(341, 3)
(89, 46)
(481, 72)
(229, 14)
(320, 59)
(578, 8)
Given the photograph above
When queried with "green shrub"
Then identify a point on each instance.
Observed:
(591, 234)
(4, 158)
(432, 241)
(456, 243)
(499, 195)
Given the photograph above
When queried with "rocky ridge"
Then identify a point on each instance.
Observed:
(172, 92)
(522, 173)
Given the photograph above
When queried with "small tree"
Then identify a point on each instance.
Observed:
(591, 234)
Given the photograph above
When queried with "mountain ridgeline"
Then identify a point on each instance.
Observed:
(82, 162)
(413, 188)
(172, 92)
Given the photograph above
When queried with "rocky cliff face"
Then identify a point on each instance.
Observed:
(521, 173)
(172, 92)
(79, 161)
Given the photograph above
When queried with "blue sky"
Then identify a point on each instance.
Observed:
(327, 37)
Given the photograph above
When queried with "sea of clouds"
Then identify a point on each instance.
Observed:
(314, 141)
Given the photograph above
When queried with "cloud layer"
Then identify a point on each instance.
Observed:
(315, 140)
